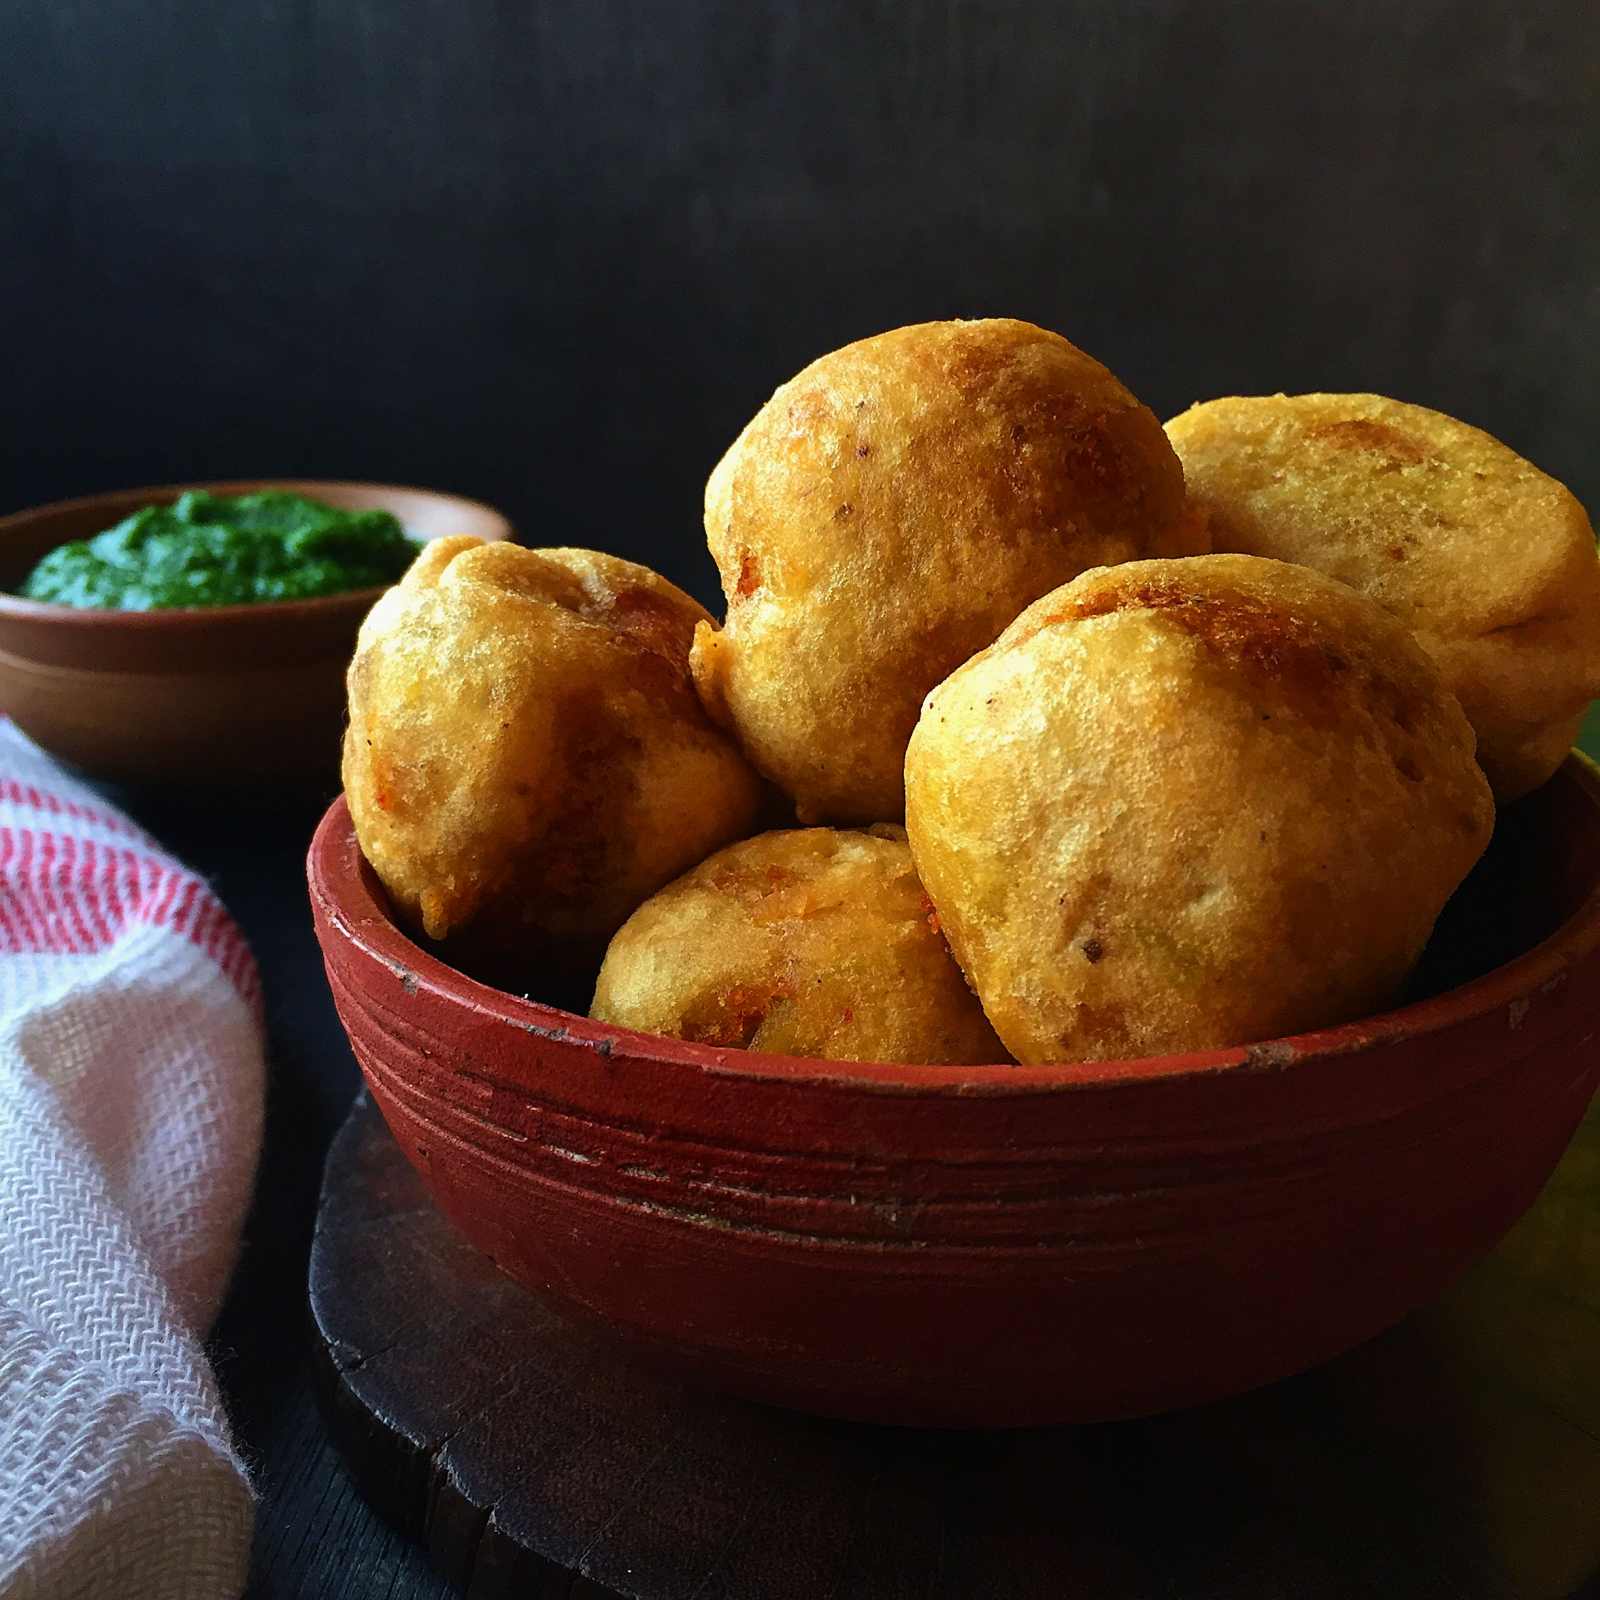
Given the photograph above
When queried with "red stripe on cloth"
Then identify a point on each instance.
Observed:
(32, 924)
(182, 919)
(25, 794)
(56, 862)
(153, 891)
(10, 929)
(187, 905)
(80, 864)
(91, 872)
(67, 895)
(113, 888)
(207, 915)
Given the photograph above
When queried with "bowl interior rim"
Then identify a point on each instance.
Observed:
(354, 905)
(14, 605)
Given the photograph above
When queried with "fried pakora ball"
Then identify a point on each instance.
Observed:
(1488, 561)
(1183, 804)
(526, 759)
(887, 513)
(809, 942)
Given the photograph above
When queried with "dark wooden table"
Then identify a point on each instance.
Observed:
(315, 1536)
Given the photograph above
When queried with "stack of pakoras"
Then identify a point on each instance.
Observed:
(1156, 797)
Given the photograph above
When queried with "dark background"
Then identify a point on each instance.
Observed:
(555, 255)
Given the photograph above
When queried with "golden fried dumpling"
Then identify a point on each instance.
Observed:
(526, 759)
(809, 942)
(887, 513)
(1182, 804)
(1487, 560)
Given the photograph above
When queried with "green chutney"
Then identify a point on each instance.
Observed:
(224, 550)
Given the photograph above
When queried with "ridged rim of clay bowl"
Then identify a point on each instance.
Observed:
(357, 908)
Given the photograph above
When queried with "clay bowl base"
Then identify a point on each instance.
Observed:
(1456, 1455)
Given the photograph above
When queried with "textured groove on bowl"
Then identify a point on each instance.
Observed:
(986, 1245)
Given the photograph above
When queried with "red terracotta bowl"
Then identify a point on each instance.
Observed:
(1005, 1245)
(233, 695)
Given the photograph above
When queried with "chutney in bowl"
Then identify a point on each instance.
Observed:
(245, 695)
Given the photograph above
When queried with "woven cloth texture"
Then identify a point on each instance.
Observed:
(131, 1072)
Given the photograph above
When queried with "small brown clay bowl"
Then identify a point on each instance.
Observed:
(1005, 1245)
(220, 694)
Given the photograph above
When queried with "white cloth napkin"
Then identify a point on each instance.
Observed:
(130, 1122)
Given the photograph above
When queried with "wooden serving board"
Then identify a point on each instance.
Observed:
(1457, 1456)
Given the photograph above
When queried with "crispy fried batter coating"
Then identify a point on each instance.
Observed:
(526, 759)
(810, 942)
(887, 513)
(1487, 560)
(1182, 804)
